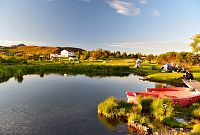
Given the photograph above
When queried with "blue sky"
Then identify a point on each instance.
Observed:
(147, 26)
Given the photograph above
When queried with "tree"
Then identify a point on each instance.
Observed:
(85, 55)
(150, 57)
(196, 43)
(118, 54)
(124, 55)
(78, 54)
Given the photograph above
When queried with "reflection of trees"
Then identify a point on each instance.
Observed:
(7, 72)
(19, 79)
(42, 74)
(156, 126)
(111, 123)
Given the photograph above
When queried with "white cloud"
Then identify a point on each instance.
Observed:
(151, 47)
(155, 12)
(87, 1)
(124, 8)
(143, 1)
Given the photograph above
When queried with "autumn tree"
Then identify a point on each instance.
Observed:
(124, 55)
(118, 54)
(196, 43)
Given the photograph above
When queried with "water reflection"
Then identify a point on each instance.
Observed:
(19, 72)
(111, 123)
(61, 100)
(157, 127)
(19, 79)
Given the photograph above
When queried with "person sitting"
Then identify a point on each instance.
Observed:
(188, 76)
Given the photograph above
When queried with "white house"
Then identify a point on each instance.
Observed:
(67, 53)
(53, 55)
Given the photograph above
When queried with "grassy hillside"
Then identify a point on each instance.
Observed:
(36, 49)
(42, 49)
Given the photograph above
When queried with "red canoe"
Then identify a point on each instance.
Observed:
(169, 89)
(182, 98)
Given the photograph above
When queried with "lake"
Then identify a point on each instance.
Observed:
(61, 105)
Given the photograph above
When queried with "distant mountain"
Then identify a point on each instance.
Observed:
(15, 46)
(11, 47)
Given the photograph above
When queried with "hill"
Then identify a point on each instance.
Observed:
(41, 49)
(36, 49)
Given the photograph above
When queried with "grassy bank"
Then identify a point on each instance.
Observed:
(17, 71)
(155, 114)
(151, 71)
(102, 68)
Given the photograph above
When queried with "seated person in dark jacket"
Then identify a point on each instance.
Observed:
(188, 75)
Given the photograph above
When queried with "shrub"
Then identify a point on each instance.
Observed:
(19, 73)
(108, 107)
(145, 103)
(196, 112)
(162, 108)
(196, 129)
(112, 108)
(193, 110)
(134, 117)
(170, 121)
(137, 117)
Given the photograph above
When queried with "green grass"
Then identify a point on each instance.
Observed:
(197, 75)
(195, 69)
(145, 103)
(165, 77)
(8, 71)
(161, 110)
(170, 121)
(146, 69)
(113, 108)
(169, 78)
(196, 129)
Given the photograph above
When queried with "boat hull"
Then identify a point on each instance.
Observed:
(169, 89)
(181, 98)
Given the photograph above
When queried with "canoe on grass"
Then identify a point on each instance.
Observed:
(181, 98)
(169, 89)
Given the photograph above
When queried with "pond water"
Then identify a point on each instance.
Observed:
(61, 105)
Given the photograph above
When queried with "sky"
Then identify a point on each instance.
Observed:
(146, 26)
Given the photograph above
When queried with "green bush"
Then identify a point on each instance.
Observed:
(196, 112)
(137, 117)
(196, 129)
(193, 110)
(170, 121)
(162, 108)
(134, 116)
(145, 103)
(108, 107)
(112, 108)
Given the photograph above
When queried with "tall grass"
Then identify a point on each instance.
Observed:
(162, 108)
(113, 108)
(196, 129)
